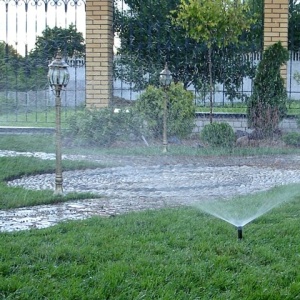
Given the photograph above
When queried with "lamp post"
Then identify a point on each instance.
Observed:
(58, 77)
(165, 79)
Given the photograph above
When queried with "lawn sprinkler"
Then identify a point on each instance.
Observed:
(240, 232)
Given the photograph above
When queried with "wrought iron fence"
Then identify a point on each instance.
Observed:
(30, 30)
(145, 39)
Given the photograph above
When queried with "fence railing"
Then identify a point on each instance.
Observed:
(21, 21)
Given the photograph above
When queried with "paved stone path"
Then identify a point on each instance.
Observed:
(138, 186)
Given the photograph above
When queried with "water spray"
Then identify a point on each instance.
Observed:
(240, 232)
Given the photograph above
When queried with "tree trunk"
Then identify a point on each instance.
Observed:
(210, 85)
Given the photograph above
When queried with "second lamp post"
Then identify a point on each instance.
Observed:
(165, 79)
(58, 77)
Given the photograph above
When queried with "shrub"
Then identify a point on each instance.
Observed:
(218, 135)
(267, 105)
(292, 139)
(181, 110)
(102, 127)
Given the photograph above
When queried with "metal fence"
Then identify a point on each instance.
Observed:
(24, 92)
(125, 90)
(148, 39)
(143, 45)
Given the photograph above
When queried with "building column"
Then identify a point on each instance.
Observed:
(276, 13)
(99, 53)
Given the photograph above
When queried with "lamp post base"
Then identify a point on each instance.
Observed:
(58, 186)
(58, 191)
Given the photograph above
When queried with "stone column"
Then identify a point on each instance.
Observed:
(99, 53)
(276, 14)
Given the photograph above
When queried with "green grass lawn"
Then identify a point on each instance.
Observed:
(167, 254)
(46, 143)
(15, 167)
(176, 254)
(39, 118)
(241, 108)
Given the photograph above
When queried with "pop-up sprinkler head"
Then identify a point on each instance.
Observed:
(240, 232)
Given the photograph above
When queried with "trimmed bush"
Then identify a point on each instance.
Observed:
(102, 127)
(218, 135)
(292, 139)
(267, 105)
(181, 110)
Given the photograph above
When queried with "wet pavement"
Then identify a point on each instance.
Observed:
(147, 184)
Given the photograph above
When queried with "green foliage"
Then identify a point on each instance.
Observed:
(218, 135)
(102, 127)
(254, 36)
(219, 21)
(69, 40)
(149, 39)
(16, 167)
(292, 139)
(256, 33)
(30, 72)
(181, 110)
(20, 73)
(267, 105)
(12, 68)
(294, 26)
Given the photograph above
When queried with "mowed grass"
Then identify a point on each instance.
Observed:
(293, 108)
(46, 143)
(28, 142)
(15, 167)
(167, 254)
(18, 166)
(39, 118)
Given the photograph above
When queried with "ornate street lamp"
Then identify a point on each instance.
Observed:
(165, 80)
(58, 78)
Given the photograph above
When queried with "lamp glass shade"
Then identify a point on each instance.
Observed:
(58, 74)
(165, 77)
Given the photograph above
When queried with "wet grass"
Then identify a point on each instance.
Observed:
(16, 167)
(176, 254)
(28, 142)
(45, 143)
(168, 254)
(182, 150)
(293, 108)
(42, 118)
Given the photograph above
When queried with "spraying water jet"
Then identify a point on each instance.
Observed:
(241, 210)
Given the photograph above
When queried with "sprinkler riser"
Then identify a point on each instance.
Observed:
(240, 232)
